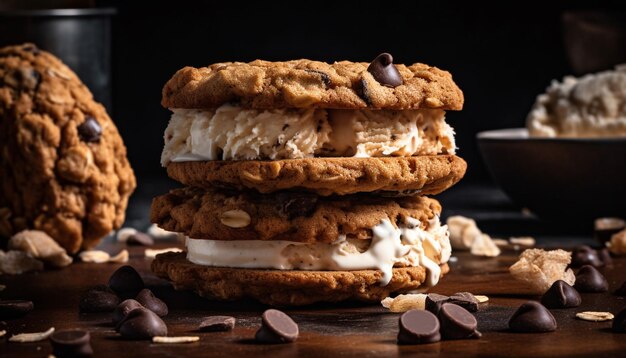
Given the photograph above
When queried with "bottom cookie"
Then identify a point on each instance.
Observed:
(285, 288)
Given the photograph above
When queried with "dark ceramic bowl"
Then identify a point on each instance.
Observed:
(558, 178)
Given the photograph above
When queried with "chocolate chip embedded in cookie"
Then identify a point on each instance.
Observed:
(326, 176)
(313, 84)
(277, 287)
(201, 214)
(63, 165)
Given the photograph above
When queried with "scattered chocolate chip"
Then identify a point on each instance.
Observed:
(589, 279)
(147, 299)
(384, 71)
(604, 228)
(99, 299)
(465, 300)
(294, 205)
(457, 323)
(418, 327)
(90, 130)
(140, 238)
(619, 322)
(141, 323)
(434, 301)
(71, 343)
(622, 290)
(276, 327)
(605, 256)
(323, 75)
(126, 282)
(15, 308)
(532, 317)
(585, 255)
(217, 324)
(122, 310)
(561, 295)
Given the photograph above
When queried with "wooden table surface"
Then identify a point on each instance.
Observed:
(349, 329)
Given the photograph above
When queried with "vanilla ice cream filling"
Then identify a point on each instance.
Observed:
(234, 133)
(411, 245)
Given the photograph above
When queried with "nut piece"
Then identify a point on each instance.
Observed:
(463, 231)
(539, 269)
(17, 262)
(95, 256)
(484, 246)
(32, 337)
(595, 316)
(40, 246)
(481, 298)
(403, 303)
(235, 218)
(617, 246)
(151, 253)
(120, 258)
(181, 339)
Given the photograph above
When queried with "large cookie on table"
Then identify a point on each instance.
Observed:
(63, 165)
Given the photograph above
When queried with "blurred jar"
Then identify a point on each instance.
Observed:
(595, 40)
(80, 37)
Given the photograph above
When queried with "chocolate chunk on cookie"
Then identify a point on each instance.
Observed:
(313, 84)
(220, 215)
(292, 288)
(63, 164)
(326, 176)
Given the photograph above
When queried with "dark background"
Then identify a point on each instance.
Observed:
(501, 54)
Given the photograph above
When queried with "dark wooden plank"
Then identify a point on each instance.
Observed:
(349, 329)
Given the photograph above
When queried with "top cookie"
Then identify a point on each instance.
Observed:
(63, 165)
(312, 84)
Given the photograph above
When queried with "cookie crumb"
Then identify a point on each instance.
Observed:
(40, 246)
(17, 262)
(539, 269)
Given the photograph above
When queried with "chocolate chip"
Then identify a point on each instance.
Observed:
(140, 238)
(217, 324)
(418, 327)
(126, 282)
(619, 322)
(141, 323)
(621, 291)
(90, 130)
(585, 255)
(121, 311)
(147, 299)
(15, 308)
(605, 256)
(589, 279)
(364, 92)
(99, 299)
(434, 301)
(294, 205)
(71, 343)
(561, 295)
(465, 300)
(532, 317)
(384, 71)
(323, 75)
(457, 323)
(276, 327)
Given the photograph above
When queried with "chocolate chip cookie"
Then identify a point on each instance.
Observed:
(63, 165)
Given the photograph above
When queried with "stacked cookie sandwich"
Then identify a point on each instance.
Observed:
(307, 181)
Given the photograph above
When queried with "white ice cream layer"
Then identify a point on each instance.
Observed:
(408, 245)
(234, 133)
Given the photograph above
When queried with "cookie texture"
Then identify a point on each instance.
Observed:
(63, 165)
(285, 288)
(424, 175)
(216, 215)
(309, 84)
